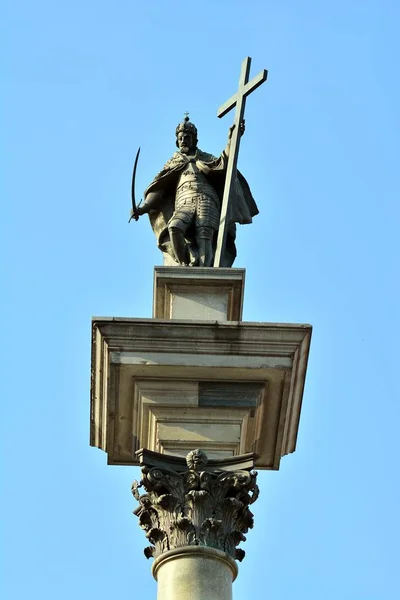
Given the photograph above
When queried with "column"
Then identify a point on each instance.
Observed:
(194, 517)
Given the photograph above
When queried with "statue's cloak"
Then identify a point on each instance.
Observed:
(160, 195)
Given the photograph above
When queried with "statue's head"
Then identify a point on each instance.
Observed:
(186, 136)
(196, 459)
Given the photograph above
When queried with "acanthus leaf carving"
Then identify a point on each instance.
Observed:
(195, 507)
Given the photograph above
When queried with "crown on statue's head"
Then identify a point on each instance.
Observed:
(189, 127)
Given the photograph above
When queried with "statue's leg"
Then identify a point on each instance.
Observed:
(177, 229)
(204, 237)
(207, 222)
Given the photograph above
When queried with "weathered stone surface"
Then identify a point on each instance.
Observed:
(194, 573)
(200, 294)
(245, 462)
(170, 385)
(195, 507)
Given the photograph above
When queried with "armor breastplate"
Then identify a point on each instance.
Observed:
(196, 201)
(193, 182)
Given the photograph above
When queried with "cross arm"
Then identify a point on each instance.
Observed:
(248, 88)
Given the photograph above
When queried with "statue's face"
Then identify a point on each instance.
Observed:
(185, 141)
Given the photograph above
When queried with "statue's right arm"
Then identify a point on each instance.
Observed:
(152, 200)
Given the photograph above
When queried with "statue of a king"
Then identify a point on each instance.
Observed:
(184, 202)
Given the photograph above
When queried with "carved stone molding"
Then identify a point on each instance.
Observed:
(174, 385)
(200, 505)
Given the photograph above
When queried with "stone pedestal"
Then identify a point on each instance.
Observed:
(204, 294)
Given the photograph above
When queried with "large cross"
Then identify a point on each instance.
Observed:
(238, 100)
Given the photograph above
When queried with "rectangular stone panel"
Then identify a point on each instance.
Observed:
(207, 306)
(195, 433)
(217, 393)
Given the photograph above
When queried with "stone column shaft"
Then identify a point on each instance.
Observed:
(194, 573)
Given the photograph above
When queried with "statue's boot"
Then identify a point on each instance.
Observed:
(179, 246)
(204, 239)
(205, 252)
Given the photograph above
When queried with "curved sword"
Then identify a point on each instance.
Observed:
(134, 210)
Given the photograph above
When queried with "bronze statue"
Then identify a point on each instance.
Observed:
(184, 202)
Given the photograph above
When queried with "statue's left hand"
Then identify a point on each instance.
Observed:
(242, 128)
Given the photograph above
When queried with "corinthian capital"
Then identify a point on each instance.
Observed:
(197, 503)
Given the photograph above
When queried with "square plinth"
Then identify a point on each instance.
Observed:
(202, 293)
(170, 386)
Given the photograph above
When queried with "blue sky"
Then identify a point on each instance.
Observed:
(85, 84)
